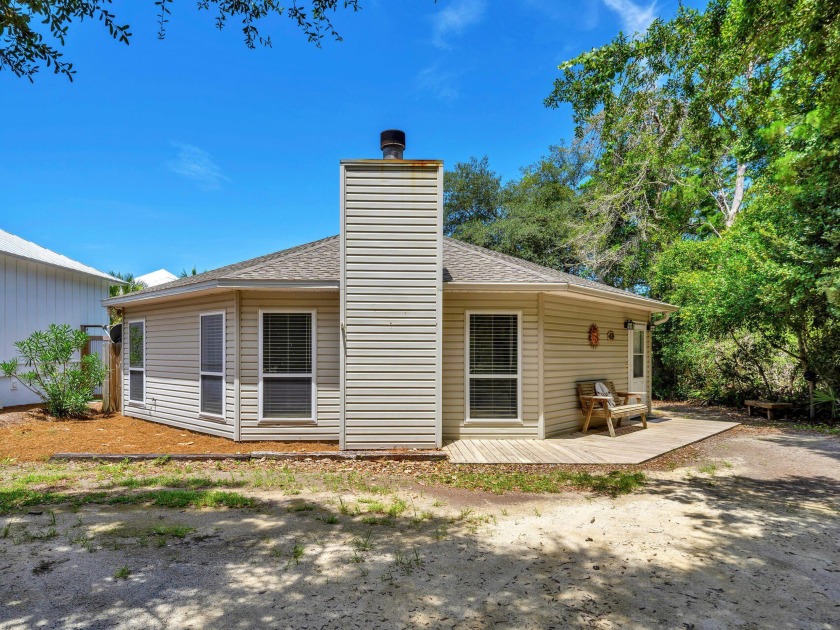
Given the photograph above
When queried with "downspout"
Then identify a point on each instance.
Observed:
(237, 365)
(541, 363)
(661, 321)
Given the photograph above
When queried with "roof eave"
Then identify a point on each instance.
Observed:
(654, 306)
(99, 274)
(209, 285)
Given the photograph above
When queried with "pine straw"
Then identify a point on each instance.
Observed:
(29, 434)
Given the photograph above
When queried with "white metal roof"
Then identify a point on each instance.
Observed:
(154, 278)
(20, 248)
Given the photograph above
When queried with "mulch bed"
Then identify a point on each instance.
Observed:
(28, 433)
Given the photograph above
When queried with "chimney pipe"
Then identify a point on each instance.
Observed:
(392, 143)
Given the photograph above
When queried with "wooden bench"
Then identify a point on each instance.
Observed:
(770, 407)
(594, 406)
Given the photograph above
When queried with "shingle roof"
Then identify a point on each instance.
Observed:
(21, 248)
(319, 261)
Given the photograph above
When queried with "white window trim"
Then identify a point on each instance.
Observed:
(630, 354)
(468, 376)
(135, 403)
(313, 419)
(223, 373)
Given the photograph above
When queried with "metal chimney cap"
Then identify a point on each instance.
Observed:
(392, 137)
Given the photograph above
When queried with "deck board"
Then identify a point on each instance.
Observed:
(662, 436)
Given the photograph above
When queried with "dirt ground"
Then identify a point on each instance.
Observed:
(28, 434)
(744, 534)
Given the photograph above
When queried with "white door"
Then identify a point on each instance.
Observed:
(637, 378)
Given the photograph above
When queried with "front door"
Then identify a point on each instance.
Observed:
(637, 381)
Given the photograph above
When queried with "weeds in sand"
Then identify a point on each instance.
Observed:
(122, 573)
(4, 533)
(363, 543)
(301, 507)
(709, 468)
(163, 460)
(613, 484)
(176, 531)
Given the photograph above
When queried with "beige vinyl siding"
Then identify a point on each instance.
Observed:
(391, 300)
(455, 307)
(325, 303)
(172, 364)
(569, 358)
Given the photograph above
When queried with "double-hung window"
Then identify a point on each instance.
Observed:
(137, 361)
(212, 368)
(287, 366)
(493, 367)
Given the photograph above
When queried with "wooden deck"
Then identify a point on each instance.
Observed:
(662, 436)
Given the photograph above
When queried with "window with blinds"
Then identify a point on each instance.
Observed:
(493, 366)
(212, 364)
(287, 366)
(137, 361)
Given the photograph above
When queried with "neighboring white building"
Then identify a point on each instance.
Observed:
(40, 287)
(155, 278)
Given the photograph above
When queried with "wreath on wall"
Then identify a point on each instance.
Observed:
(594, 336)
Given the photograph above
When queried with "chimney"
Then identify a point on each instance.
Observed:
(392, 143)
(391, 300)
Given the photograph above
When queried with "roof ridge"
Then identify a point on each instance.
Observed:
(288, 253)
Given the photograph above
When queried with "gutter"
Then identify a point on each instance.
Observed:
(653, 306)
(209, 285)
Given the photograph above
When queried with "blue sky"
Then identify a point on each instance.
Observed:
(197, 151)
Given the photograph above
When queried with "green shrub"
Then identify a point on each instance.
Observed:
(63, 383)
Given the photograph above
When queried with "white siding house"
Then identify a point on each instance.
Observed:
(387, 335)
(40, 287)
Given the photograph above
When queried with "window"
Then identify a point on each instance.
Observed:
(493, 366)
(137, 361)
(638, 353)
(212, 369)
(287, 366)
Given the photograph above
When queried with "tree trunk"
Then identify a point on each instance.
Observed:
(738, 195)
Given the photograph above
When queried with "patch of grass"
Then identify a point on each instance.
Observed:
(613, 484)
(709, 468)
(358, 482)
(176, 531)
(373, 505)
(186, 498)
(397, 507)
(167, 481)
(301, 507)
(363, 543)
(329, 519)
(122, 573)
(33, 479)
(13, 499)
(282, 479)
(161, 461)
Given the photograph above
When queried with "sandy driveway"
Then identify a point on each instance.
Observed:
(751, 542)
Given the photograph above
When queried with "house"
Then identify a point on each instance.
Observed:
(154, 278)
(387, 335)
(39, 288)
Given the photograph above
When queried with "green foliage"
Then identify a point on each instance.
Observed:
(64, 384)
(716, 187)
(131, 284)
(24, 45)
(536, 217)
